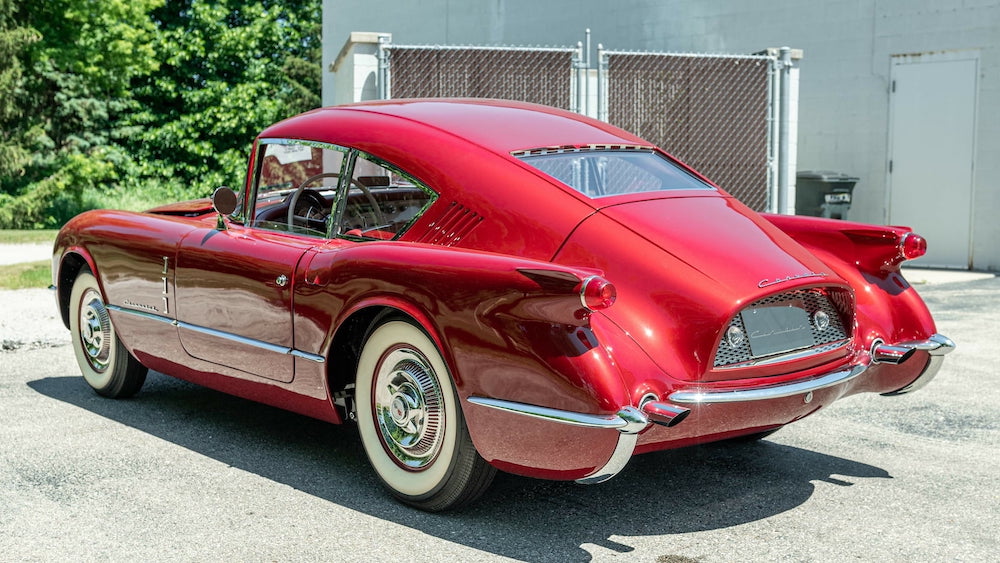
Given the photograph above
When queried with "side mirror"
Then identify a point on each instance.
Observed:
(224, 202)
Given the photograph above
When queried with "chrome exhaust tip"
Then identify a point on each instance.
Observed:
(663, 414)
(882, 353)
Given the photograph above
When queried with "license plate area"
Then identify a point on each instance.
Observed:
(777, 329)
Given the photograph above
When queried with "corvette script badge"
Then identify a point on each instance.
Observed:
(767, 282)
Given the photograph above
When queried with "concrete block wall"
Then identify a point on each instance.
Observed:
(844, 75)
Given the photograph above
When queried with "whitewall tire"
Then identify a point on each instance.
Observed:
(106, 364)
(410, 421)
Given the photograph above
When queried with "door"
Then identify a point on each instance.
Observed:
(234, 298)
(235, 286)
(931, 150)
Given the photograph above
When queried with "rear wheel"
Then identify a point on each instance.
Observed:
(411, 424)
(106, 364)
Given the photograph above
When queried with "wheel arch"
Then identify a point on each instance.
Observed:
(70, 266)
(352, 332)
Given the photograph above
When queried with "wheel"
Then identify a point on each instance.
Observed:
(411, 424)
(106, 365)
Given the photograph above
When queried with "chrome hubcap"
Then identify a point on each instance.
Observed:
(95, 331)
(409, 410)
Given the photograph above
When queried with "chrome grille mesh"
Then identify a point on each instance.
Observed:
(836, 303)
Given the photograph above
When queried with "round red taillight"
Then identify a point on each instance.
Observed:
(912, 246)
(597, 293)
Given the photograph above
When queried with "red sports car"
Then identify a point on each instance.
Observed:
(485, 285)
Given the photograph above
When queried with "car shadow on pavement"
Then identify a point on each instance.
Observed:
(688, 490)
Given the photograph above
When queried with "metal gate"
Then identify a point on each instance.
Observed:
(711, 111)
(537, 75)
(718, 113)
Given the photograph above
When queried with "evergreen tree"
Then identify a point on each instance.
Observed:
(14, 40)
(75, 80)
(103, 100)
(222, 79)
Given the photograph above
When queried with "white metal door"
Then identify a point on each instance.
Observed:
(931, 151)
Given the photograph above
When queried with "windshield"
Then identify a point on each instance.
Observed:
(607, 172)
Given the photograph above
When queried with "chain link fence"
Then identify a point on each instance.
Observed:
(537, 75)
(713, 112)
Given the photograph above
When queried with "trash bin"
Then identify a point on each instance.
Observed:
(823, 193)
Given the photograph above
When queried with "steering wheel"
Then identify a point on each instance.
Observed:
(294, 198)
(310, 210)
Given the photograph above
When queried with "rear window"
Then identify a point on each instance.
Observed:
(608, 172)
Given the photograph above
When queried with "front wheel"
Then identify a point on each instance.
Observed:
(107, 365)
(411, 424)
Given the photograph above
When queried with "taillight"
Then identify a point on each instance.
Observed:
(912, 246)
(597, 293)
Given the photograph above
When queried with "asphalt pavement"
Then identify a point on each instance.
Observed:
(182, 473)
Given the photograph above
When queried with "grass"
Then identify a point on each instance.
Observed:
(25, 276)
(11, 236)
(31, 274)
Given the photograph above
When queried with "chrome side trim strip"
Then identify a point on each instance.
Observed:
(284, 350)
(144, 314)
(705, 396)
(625, 421)
(308, 356)
(236, 338)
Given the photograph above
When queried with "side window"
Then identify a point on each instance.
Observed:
(296, 186)
(382, 201)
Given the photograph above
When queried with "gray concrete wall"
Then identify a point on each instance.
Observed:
(843, 95)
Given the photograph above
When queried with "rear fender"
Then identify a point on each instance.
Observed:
(868, 257)
(508, 328)
(478, 308)
(873, 249)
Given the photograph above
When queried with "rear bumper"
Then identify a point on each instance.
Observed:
(630, 421)
(763, 393)
(937, 347)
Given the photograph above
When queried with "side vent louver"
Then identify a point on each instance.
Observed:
(452, 226)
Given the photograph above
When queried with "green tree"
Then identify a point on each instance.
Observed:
(75, 78)
(228, 68)
(14, 41)
(158, 98)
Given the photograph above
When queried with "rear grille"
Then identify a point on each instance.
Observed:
(838, 304)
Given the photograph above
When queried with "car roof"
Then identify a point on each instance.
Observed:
(498, 125)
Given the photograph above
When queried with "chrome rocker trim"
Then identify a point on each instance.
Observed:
(284, 350)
